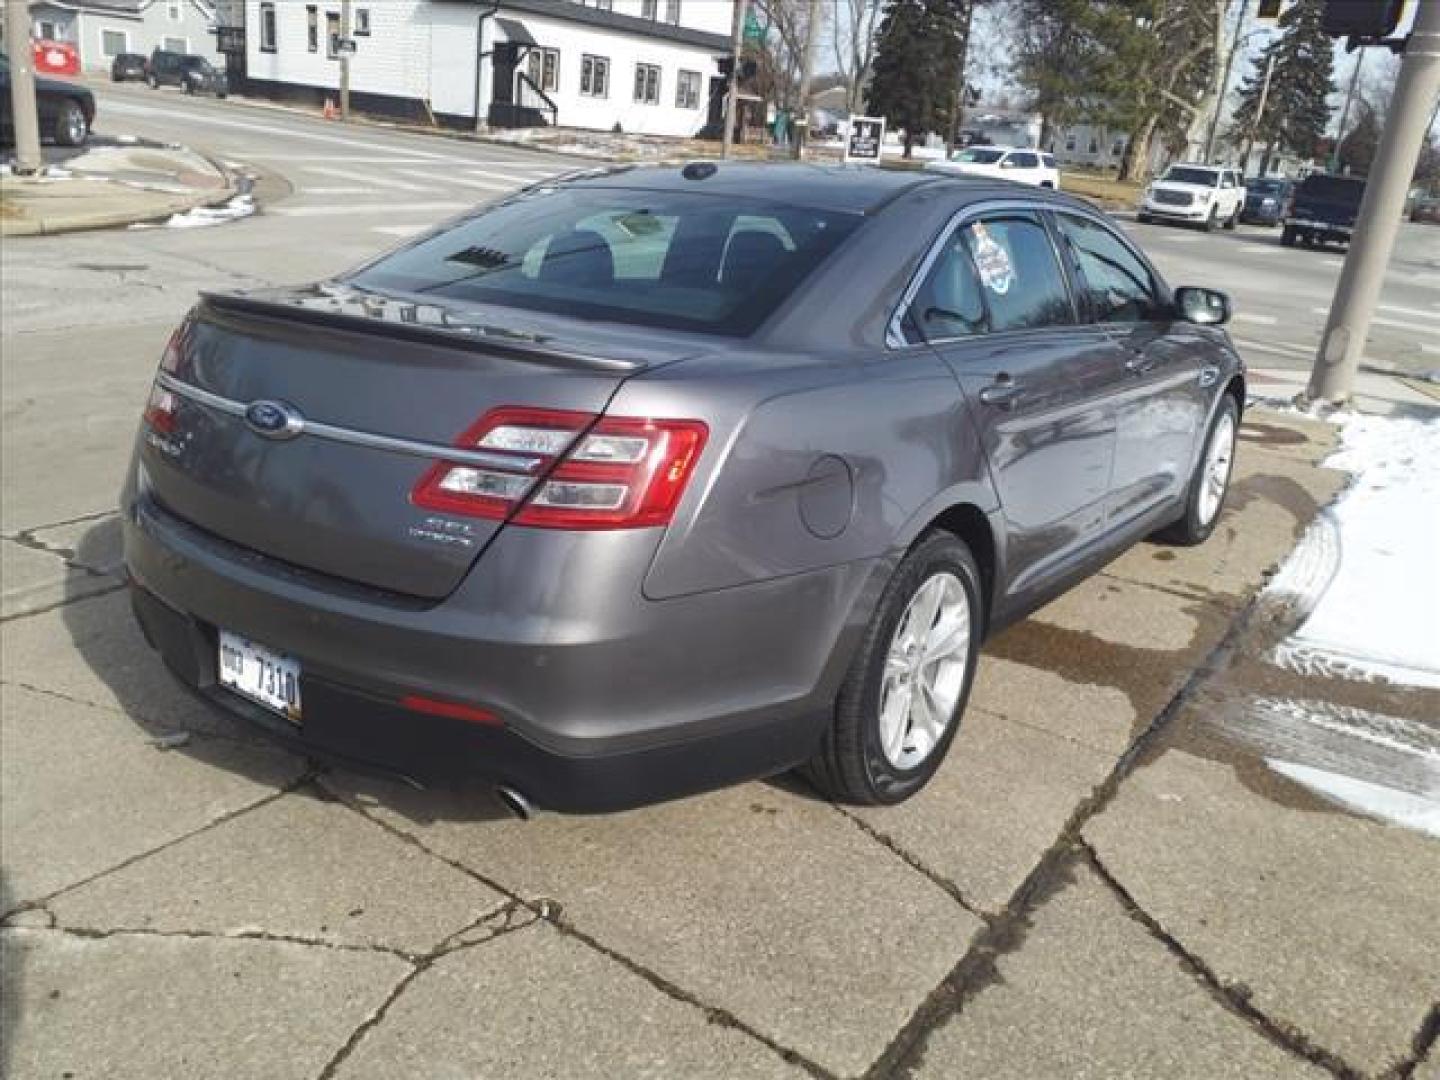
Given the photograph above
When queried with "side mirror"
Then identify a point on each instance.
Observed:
(1204, 307)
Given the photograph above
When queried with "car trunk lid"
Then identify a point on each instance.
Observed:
(377, 389)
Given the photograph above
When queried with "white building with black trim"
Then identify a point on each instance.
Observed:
(648, 66)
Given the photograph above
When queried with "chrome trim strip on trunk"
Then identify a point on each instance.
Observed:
(366, 439)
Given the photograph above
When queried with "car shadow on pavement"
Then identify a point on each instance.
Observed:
(174, 719)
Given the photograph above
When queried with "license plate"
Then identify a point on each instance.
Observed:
(260, 674)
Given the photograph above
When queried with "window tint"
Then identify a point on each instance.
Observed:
(691, 262)
(1025, 161)
(1049, 159)
(1019, 276)
(978, 157)
(948, 303)
(1117, 284)
(1184, 174)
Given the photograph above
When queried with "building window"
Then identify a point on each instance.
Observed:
(176, 44)
(687, 90)
(1070, 144)
(647, 84)
(648, 9)
(332, 35)
(594, 76)
(544, 68)
(173, 10)
(47, 31)
(1117, 148)
(267, 27)
(672, 12)
(114, 42)
(312, 28)
(1094, 147)
(362, 22)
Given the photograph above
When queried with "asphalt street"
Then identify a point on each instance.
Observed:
(1102, 880)
(341, 194)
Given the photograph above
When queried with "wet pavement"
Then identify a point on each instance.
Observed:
(1110, 875)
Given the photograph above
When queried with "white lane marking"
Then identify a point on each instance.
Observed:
(1179, 238)
(370, 180)
(405, 158)
(1427, 347)
(1257, 249)
(399, 230)
(1278, 350)
(334, 190)
(1433, 313)
(1337, 263)
(1261, 320)
(1398, 324)
(510, 177)
(360, 209)
(473, 182)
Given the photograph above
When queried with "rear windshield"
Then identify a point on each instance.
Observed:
(979, 157)
(1266, 187)
(1340, 188)
(678, 260)
(1183, 174)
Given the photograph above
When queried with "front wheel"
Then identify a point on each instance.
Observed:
(1287, 236)
(1234, 220)
(1213, 220)
(902, 699)
(71, 127)
(1211, 480)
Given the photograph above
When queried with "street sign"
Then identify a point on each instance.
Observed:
(864, 139)
(753, 30)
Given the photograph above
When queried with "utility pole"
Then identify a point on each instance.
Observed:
(22, 88)
(1224, 85)
(1358, 291)
(1255, 120)
(1345, 112)
(807, 68)
(344, 49)
(732, 92)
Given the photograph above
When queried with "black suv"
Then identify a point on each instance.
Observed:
(193, 74)
(126, 66)
(1323, 210)
(66, 109)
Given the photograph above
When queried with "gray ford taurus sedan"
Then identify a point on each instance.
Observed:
(655, 479)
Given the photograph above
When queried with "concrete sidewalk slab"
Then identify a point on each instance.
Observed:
(766, 904)
(32, 580)
(1324, 921)
(1092, 994)
(85, 791)
(143, 1007)
(997, 770)
(337, 878)
(536, 1003)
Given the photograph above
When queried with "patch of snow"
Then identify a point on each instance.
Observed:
(1420, 812)
(1378, 615)
(204, 216)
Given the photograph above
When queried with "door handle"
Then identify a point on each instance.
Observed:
(1139, 364)
(1003, 393)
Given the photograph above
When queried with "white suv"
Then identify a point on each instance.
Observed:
(1208, 195)
(1022, 165)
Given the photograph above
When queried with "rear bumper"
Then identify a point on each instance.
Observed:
(606, 700)
(1323, 230)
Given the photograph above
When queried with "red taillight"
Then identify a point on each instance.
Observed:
(451, 710)
(160, 409)
(570, 470)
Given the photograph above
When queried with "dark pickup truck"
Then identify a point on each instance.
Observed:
(1323, 210)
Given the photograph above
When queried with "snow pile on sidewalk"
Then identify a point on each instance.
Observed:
(203, 216)
(1378, 614)
(1367, 576)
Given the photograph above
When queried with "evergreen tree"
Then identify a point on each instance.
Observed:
(1297, 107)
(919, 62)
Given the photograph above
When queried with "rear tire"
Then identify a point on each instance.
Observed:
(901, 703)
(1234, 220)
(1287, 236)
(1210, 483)
(1212, 221)
(1143, 218)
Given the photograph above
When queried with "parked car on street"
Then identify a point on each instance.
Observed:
(1025, 166)
(660, 478)
(1426, 209)
(1323, 210)
(193, 74)
(127, 66)
(1205, 195)
(1267, 199)
(66, 109)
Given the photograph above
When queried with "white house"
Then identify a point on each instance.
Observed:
(649, 66)
(102, 29)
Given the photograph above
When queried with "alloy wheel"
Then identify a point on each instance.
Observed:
(925, 669)
(1216, 475)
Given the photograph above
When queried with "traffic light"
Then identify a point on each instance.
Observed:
(1368, 20)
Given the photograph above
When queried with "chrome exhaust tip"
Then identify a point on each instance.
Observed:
(516, 803)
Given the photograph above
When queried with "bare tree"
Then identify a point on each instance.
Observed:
(783, 50)
(852, 39)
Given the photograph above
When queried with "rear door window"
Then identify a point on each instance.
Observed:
(1025, 161)
(1117, 286)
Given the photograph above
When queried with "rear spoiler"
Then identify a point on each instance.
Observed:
(396, 318)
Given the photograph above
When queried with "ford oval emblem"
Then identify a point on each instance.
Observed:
(274, 419)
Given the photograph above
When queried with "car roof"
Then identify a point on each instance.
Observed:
(845, 188)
